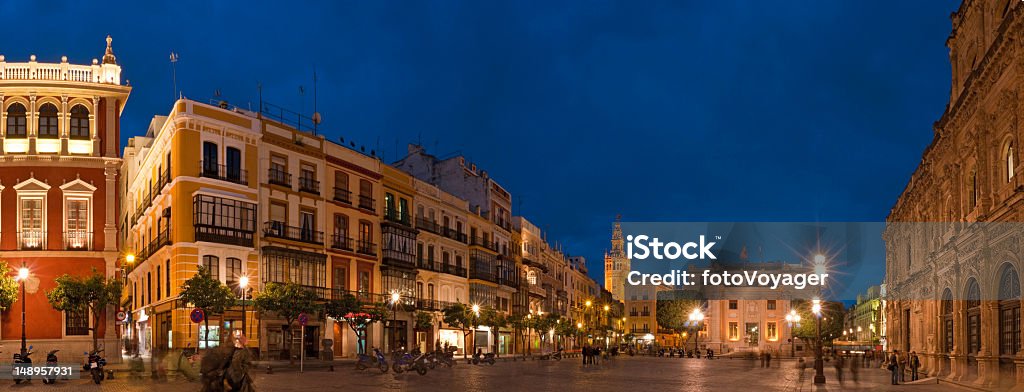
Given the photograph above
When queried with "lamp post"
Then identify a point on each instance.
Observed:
(23, 276)
(604, 326)
(243, 283)
(793, 320)
(476, 312)
(819, 363)
(395, 297)
(529, 332)
(586, 317)
(696, 317)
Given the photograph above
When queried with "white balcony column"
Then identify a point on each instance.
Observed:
(3, 122)
(109, 218)
(32, 125)
(94, 131)
(65, 124)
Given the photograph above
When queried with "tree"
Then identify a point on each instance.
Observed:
(358, 315)
(519, 324)
(460, 316)
(287, 301)
(566, 328)
(831, 322)
(494, 320)
(674, 314)
(205, 292)
(93, 293)
(544, 324)
(423, 321)
(8, 286)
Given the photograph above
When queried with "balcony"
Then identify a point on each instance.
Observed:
(342, 195)
(397, 258)
(77, 240)
(277, 176)
(432, 304)
(162, 238)
(31, 239)
(224, 235)
(340, 242)
(363, 296)
(455, 235)
(483, 242)
(394, 216)
(309, 185)
(224, 173)
(275, 229)
(446, 268)
(366, 247)
(428, 225)
(636, 331)
(367, 203)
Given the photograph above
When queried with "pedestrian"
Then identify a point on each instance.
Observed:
(854, 369)
(915, 363)
(902, 365)
(761, 357)
(585, 353)
(768, 359)
(838, 363)
(893, 366)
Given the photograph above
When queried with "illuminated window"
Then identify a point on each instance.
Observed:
(48, 121)
(79, 123)
(734, 330)
(772, 331)
(531, 276)
(1009, 162)
(212, 264)
(16, 121)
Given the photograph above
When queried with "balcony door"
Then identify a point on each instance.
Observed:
(77, 235)
(32, 223)
(308, 225)
(233, 161)
(210, 159)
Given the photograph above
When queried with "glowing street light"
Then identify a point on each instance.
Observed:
(695, 318)
(243, 284)
(819, 363)
(22, 277)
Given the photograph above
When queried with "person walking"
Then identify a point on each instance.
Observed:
(902, 365)
(915, 363)
(893, 366)
(585, 353)
(768, 359)
(854, 368)
(838, 363)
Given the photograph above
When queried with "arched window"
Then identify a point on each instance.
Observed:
(16, 121)
(531, 276)
(48, 121)
(79, 123)
(1009, 162)
(947, 320)
(972, 299)
(234, 271)
(1009, 312)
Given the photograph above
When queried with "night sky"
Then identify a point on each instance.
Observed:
(710, 111)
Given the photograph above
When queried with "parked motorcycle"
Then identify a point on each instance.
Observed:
(401, 360)
(94, 365)
(376, 360)
(51, 361)
(557, 355)
(485, 358)
(24, 360)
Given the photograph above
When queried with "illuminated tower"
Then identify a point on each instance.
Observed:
(616, 265)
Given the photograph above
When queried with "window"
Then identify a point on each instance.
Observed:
(48, 121)
(973, 322)
(1009, 162)
(771, 304)
(287, 265)
(167, 268)
(403, 210)
(340, 279)
(772, 331)
(733, 304)
(307, 178)
(1009, 312)
(430, 253)
(341, 239)
(366, 195)
(159, 292)
(531, 276)
(389, 206)
(734, 330)
(341, 192)
(16, 121)
(77, 234)
(234, 271)
(79, 122)
(76, 322)
(233, 163)
(974, 189)
(212, 264)
(278, 173)
(222, 220)
(308, 225)
(210, 160)
(365, 233)
(364, 282)
(32, 235)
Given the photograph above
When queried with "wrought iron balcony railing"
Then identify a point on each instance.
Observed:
(367, 203)
(31, 239)
(77, 240)
(280, 177)
(342, 195)
(309, 185)
(233, 174)
(275, 229)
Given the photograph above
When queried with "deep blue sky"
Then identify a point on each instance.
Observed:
(660, 111)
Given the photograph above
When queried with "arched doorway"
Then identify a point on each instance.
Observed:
(1009, 323)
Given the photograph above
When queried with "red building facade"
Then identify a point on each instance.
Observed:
(59, 166)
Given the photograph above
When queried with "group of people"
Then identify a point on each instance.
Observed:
(681, 353)
(591, 355)
(898, 362)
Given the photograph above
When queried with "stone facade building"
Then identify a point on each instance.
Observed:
(953, 289)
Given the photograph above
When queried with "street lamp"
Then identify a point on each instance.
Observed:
(22, 277)
(395, 297)
(243, 283)
(819, 363)
(476, 312)
(696, 317)
(793, 320)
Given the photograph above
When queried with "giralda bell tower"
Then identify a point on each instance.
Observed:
(616, 265)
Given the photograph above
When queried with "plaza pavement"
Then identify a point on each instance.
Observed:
(623, 373)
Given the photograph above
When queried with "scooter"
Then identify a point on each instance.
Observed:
(485, 358)
(376, 360)
(419, 364)
(556, 356)
(400, 360)
(51, 361)
(94, 365)
(25, 361)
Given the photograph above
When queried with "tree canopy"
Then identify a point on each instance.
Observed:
(75, 293)
(8, 286)
(205, 292)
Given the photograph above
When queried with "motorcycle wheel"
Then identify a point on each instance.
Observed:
(97, 377)
(421, 370)
(432, 365)
(558, 358)
(383, 367)
(397, 368)
(476, 361)
(360, 366)
(491, 362)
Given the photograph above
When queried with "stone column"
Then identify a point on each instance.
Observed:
(64, 124)
(3, 123)
(94, 132)
(988, 356)
(110, 219)
(32, 123)
(958, 358)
